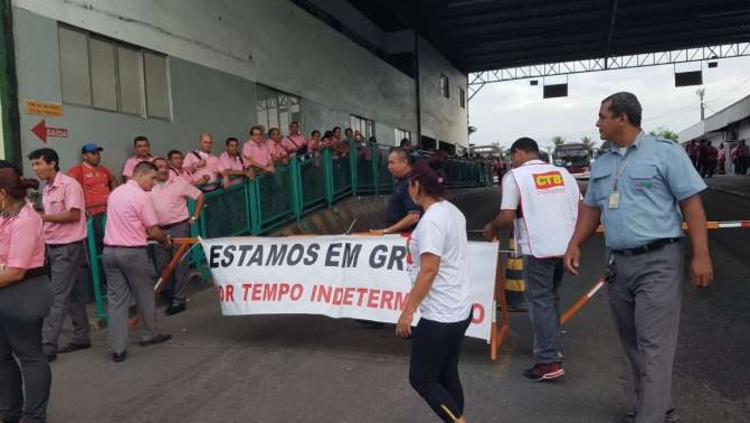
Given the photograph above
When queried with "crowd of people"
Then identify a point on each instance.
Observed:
(709, 160)
(640, 191)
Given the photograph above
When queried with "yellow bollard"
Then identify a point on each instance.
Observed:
(515, 287)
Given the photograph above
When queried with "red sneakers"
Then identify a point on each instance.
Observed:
(545, 372)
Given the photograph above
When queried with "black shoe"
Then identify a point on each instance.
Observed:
(158, 339)
(174, 309)
(119, 357)
(670, 417)
(73, 347)
(51, 357)
(368, 324)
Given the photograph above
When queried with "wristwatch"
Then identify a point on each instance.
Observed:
(193, 218)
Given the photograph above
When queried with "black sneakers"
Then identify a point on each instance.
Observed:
(158, 339)
(73, 347)
(670, 417)
(175, 309)
(119, 357)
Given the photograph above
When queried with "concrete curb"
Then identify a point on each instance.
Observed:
(730, 192)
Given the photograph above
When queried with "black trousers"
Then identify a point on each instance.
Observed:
(433, 371)
(25, 376)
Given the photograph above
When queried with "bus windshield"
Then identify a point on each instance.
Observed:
(572, 155)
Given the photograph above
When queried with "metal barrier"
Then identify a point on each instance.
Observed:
(254, 207)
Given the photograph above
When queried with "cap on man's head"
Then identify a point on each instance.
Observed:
(90, 147)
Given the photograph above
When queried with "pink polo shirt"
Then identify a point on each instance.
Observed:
(232, 163)
(130, 164)
(292, 143)
(183, 174)
(129, 212)
(258, 153)
(213, 167)
(22, 240)
(278, 152)
(59, 196)
(170, 200)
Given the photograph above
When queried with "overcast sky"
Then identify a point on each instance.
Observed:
(506, 111)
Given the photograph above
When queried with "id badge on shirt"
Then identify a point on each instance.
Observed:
(614, 200)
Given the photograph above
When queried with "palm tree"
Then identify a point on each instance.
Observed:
(662, 132)
(558, 140)
(588, 142)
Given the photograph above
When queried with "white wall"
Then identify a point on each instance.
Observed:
(442, 118)
(217, 51)
(203, 100)
(272, 42)
(744, 132)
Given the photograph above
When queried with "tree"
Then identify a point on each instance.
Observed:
(558, 140)
(588, 142)
(662, 132)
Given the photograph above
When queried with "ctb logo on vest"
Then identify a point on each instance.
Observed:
(548, 180)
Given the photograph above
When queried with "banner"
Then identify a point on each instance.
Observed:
(360, 277)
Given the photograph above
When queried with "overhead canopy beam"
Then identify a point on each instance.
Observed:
(612, 20)
(480, 79)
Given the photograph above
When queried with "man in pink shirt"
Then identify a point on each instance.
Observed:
(256, 151)
(294, 142)
(131, 220)
(234, 165)
(64, 233)
(170, 196)
(278, 152)
(205, 167)
(176, 160)
(142, 154)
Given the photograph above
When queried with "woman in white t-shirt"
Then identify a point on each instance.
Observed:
(440, 276)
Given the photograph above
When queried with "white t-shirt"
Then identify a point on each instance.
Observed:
(442, 231)
(511, 199)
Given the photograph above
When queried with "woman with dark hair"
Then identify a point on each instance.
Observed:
(440, 275)
(327, 140)
(25, 298)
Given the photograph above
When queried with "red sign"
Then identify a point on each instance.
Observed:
(43, 131)
(548, 180)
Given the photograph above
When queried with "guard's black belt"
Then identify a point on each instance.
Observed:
(656, 245)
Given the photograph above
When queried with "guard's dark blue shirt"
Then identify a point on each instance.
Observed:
(400, 203)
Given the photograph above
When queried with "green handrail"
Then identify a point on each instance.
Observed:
(270, 201)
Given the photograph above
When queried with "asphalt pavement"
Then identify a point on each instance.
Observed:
(316, 369)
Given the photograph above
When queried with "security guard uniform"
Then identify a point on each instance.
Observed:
(638, 190)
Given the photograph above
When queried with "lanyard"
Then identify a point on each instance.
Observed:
(625, 163)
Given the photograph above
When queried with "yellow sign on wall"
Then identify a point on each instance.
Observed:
(44, 109)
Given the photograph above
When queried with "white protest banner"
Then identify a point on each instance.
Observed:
(361, 277)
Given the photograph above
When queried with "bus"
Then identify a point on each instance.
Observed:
(575, 157)
(485, 151)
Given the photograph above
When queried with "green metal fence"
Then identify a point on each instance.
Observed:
(254, 207)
